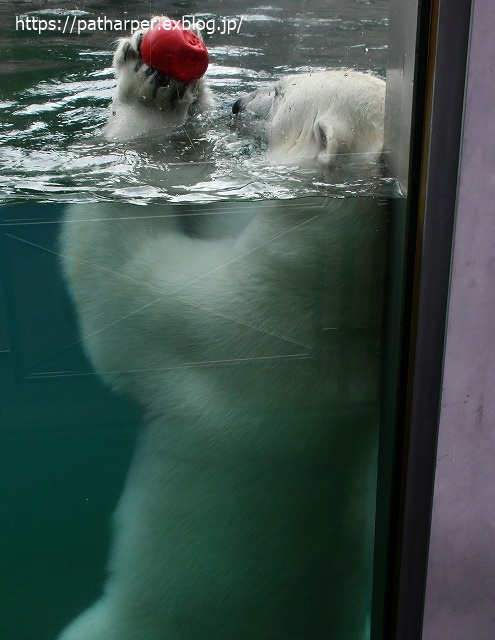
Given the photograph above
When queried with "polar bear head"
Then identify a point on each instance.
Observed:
(147, 100)
(329, 117)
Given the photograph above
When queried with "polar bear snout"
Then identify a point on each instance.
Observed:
(237, 107)
(259, 102)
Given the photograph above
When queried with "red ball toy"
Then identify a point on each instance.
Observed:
(175, 51)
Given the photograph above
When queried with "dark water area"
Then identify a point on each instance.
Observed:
(65, 439)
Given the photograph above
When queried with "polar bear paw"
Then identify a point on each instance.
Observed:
(139, 82)
(146, 98)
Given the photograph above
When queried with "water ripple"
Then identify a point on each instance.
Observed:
(54, 110)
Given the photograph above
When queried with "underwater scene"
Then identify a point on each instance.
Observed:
(194, 283)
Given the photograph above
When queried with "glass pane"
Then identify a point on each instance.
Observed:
(195, 286)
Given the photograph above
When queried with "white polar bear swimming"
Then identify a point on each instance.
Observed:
(322, 115)
(248, 511)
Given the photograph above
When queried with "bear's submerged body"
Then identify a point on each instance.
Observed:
(248, 511)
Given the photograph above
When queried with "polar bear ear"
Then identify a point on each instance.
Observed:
(326, 141)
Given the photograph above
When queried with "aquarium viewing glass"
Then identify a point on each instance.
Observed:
(200, 319)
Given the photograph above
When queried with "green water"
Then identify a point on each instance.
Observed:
(65, 439)
(65, 442)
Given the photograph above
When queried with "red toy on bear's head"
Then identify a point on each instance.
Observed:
(175, 51)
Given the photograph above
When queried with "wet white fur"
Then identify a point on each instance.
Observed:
(345, 122)
(248, 509)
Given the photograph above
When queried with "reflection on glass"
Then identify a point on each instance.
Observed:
(225, 340)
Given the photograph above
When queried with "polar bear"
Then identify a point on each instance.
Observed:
(248, 509)
(344, 123)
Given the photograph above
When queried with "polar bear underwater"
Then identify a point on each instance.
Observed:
(248, 511)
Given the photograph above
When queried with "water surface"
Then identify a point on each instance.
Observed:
(56, 89)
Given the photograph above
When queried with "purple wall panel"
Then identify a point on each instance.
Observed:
(460, 598)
